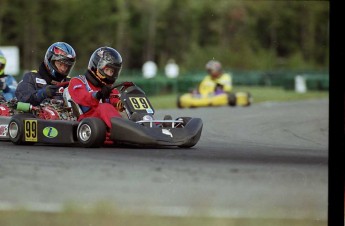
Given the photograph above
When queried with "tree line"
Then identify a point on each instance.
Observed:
(246, 34)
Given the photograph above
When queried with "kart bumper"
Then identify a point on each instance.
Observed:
(129, 132)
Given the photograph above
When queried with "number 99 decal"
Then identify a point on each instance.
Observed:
(139, 103)
(30, 130)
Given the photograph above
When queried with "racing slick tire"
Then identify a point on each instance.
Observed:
(232, 99)
(91, 132)
(250, 99)
(178, 102)
(16, 129)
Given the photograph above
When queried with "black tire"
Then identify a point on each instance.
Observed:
(178, 102)
(91, 132)
(250, 99)
(232, 99)
(16, 129)
(185, 119)
(167, 124)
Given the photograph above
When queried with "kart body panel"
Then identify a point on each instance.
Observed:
(128, 132)
(4, 120)
(58, 132)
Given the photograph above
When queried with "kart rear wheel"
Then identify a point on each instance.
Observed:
(16, 129)
(232, 99)
(178, 102)
(91, 132)
(167, 124)
(250, 99)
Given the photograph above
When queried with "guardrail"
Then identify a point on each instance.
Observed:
(160, 84)
(315, 80)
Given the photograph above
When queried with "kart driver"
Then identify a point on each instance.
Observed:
(216, 81)
(38, 85)
(8, 83)
(93, 92)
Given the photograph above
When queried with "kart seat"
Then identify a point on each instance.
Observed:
(68, 102)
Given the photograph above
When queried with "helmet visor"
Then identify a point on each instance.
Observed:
(61, 67)
(62, 56)
(109, 61)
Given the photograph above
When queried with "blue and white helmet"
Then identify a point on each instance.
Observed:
(63, 52)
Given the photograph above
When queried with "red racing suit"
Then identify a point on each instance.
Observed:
(83, 93)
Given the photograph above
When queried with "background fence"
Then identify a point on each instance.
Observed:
(160, 84)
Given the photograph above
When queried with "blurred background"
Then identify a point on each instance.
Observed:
(262, 43)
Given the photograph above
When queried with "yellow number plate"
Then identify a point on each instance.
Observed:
(139, 103)
(30, 130)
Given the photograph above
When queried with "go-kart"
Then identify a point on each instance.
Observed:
(49, 109)
(48, 125)
(7, 110)
(195, 99)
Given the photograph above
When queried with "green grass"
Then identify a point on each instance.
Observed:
(260, 94)
(102, 216)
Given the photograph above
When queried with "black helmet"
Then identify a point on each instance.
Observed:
(100, 59)
(63, 52)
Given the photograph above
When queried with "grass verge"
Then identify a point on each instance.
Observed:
(106, 217)
(260, 94)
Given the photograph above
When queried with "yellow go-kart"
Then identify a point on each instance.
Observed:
(194, 100)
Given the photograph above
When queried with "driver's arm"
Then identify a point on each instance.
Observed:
(80, 95)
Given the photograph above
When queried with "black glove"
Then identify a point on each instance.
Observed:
(104, 92)
(48, 91)
(219, 86)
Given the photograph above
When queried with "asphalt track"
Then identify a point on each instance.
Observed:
(269, 160)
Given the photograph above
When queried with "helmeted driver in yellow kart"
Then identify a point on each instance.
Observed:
(214, 90)
(216, 81)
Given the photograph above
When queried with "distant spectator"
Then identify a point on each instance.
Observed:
(8, 83)
(171, 69)
(149, 69)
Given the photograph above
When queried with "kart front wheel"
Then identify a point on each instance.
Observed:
(91, 132)
(16, 129)
(232, 99)
(178, 102)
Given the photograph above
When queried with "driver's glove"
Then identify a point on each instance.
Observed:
(48, 91)
(104, 92)
(119, 106)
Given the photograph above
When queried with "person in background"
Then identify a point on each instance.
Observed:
(92, 91)
(36, 86)
(216, 81)
(8, 83)
(149, 69)
(171, 69)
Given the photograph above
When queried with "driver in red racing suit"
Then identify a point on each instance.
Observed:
(92, 91)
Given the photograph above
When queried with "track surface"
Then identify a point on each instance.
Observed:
(267, 160)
